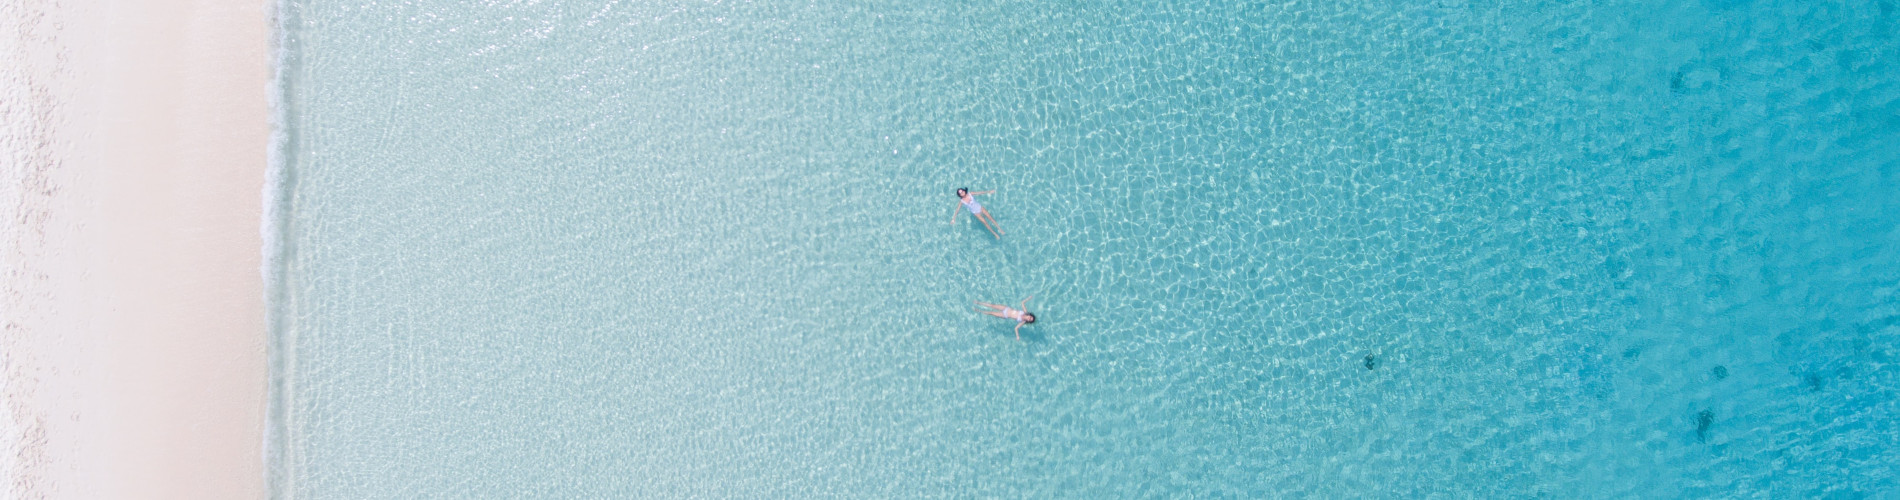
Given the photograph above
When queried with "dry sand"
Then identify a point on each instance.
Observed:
(132, 360)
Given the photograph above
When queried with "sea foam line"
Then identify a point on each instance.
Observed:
(274, 229)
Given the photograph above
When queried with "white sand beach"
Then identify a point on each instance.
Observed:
(132, 363)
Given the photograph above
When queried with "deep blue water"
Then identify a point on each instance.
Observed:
(1307, 249)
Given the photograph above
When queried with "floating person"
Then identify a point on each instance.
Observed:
(1022, 316)
(968, 201)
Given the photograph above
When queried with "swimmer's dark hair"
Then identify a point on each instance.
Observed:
(960, 191)
(1028, 318)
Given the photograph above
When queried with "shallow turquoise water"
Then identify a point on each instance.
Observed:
(1326, 249)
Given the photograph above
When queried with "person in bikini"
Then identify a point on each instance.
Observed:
(967, 200)
(1022, 316)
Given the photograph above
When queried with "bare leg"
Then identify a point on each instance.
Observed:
(986, 225)
(989, 305)
(992, 219)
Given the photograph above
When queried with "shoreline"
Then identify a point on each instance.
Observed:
(135, 341)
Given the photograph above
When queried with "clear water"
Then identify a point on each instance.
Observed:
(1305, 249)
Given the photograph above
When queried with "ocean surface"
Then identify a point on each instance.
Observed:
(1451, 248)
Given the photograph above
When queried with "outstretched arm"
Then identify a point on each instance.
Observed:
(1019, 332)
(984, 192)
(957, 212)
(1026, 303)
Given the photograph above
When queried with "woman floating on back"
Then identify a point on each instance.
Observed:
(1022, 316)
(968, 200)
